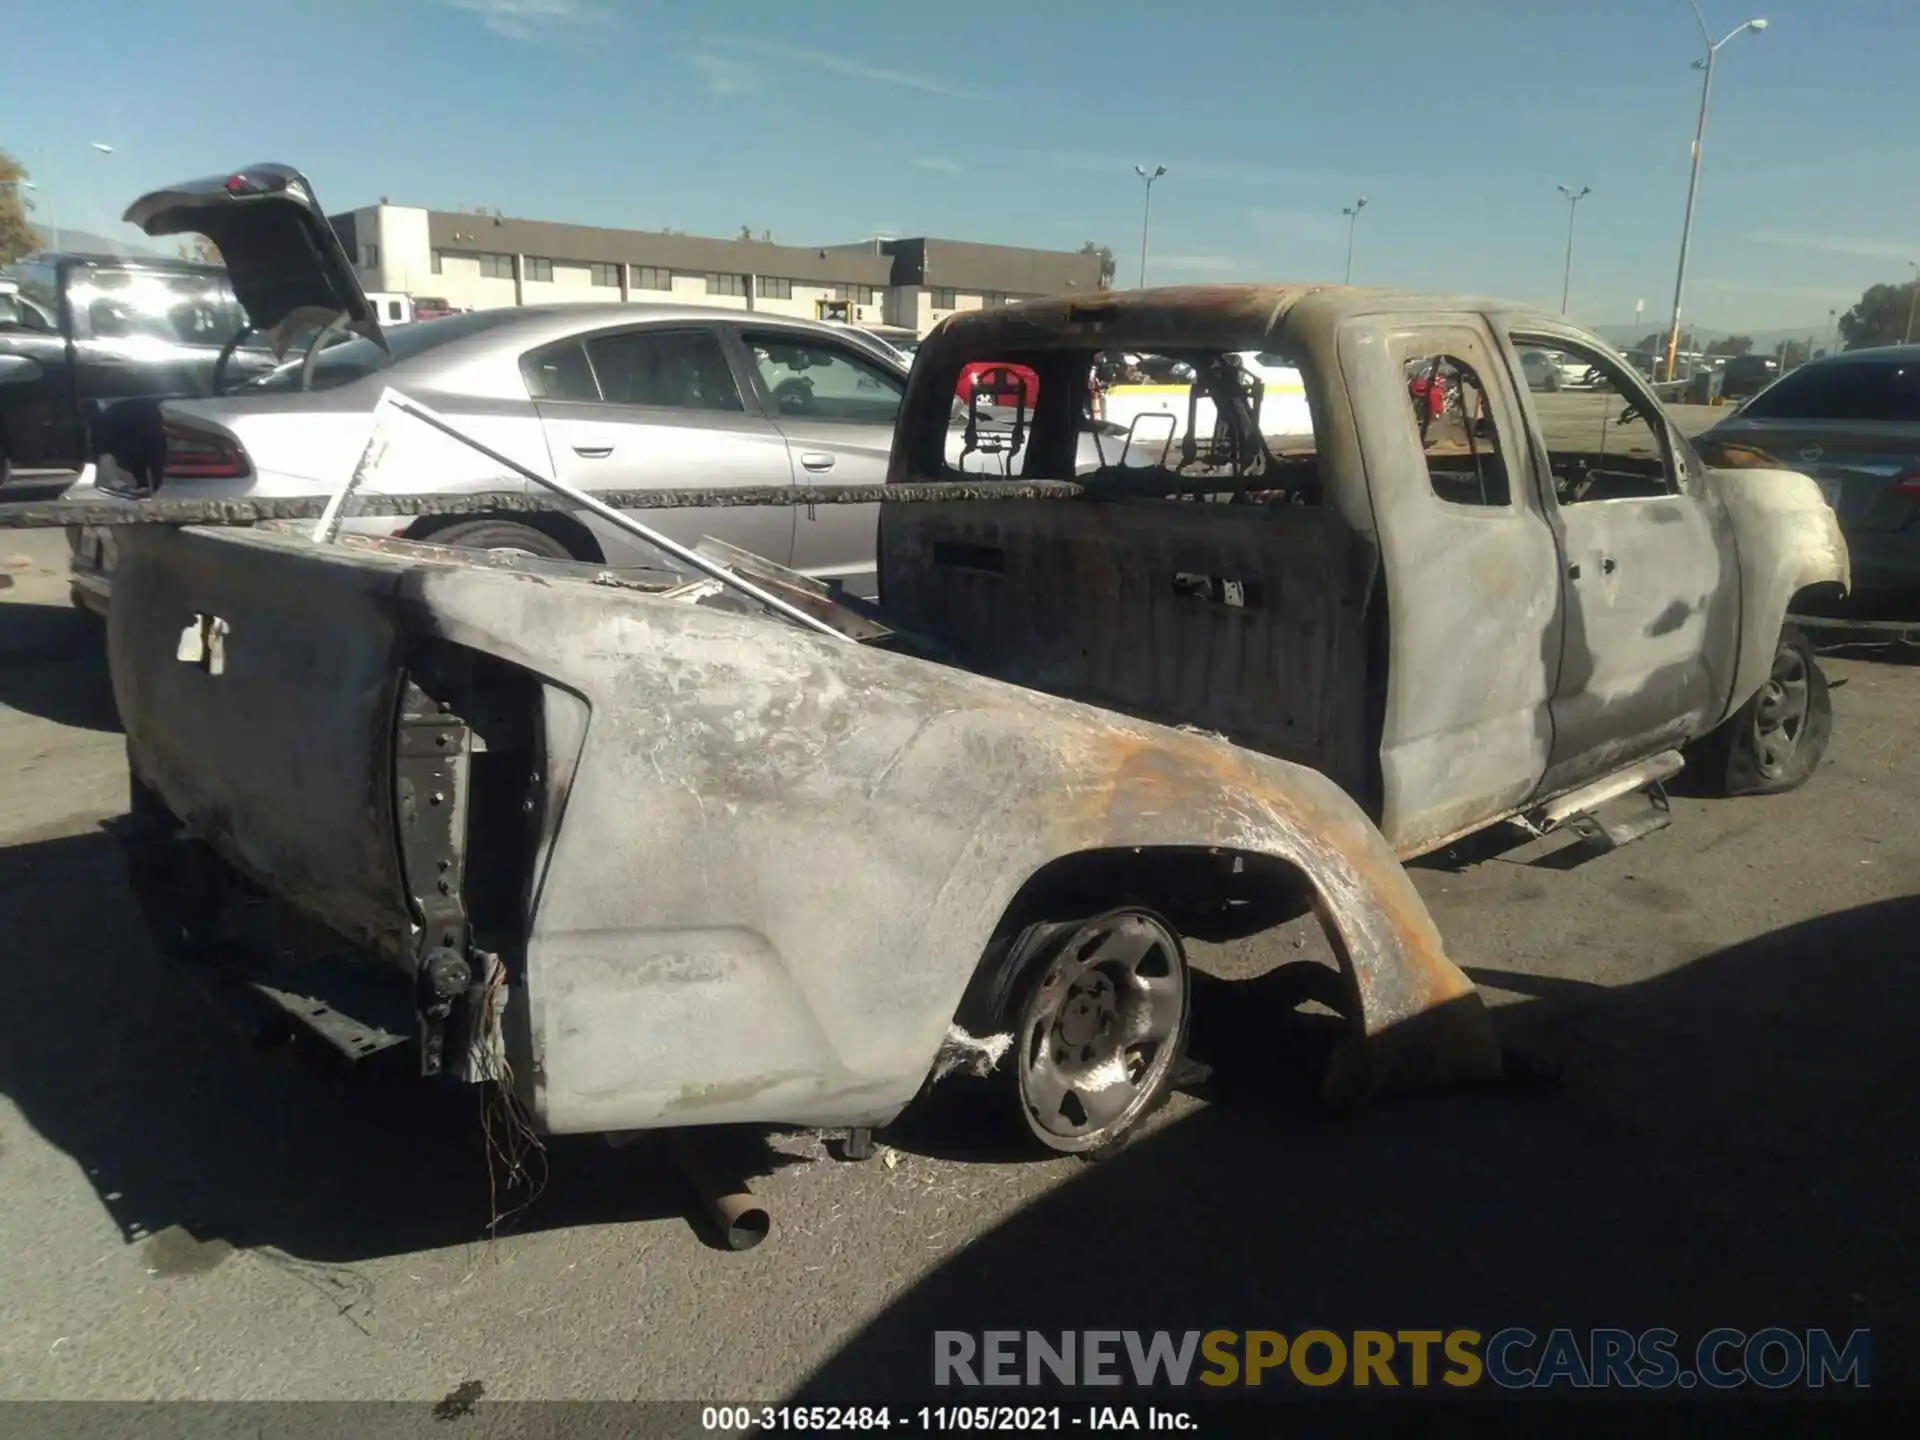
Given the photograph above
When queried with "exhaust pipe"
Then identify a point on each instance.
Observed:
(741, 1221)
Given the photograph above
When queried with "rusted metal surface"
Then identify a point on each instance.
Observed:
(39, 515)
(874, 815)
(1508, 652)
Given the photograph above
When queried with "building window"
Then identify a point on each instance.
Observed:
(438, 255)
(652, 277)
(945, 300)
(538, 269)
(495, 267)
(606, 277)
(858, 294)
(994, 297)
(369, 256)
(772, 287)
(726, 285)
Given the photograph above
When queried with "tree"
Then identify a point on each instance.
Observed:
(1794, 353)
(1881, 317)
(200, 249)
(17, 235)
(1656, 343)
(1731, 345)
(1106, 261)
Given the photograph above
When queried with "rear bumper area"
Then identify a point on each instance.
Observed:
(270, 971)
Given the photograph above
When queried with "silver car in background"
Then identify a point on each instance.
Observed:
(604, 397)
(1852, 422)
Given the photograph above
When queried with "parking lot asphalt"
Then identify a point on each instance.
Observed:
(1713, 1125)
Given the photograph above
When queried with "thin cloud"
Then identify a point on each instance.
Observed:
(724, 76)
(1869, 247)
(534, 19)
(852, 69)
(939, 164)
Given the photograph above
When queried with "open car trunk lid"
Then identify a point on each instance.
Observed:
(288, 267)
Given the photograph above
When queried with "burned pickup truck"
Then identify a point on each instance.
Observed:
(748, 851)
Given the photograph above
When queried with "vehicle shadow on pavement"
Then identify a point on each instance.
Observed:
(53, 664)
(1729, 1144)
(197, 1144)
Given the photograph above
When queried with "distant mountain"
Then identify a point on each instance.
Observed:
(86, 242)
(1763, 340)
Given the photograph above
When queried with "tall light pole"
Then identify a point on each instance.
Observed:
(1574, 197)
(1913, 297)
(1146, 214)
(1352, 212)
(1705, 66)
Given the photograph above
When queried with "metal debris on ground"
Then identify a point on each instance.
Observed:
(975, 1055)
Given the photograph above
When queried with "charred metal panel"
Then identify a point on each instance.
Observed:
(1240, 619)
(431, 792)
(282, 761)
(1473, 605)
(1789, 540)
(781, 858)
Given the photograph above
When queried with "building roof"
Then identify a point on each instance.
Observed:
(691, 254)
(964, 265)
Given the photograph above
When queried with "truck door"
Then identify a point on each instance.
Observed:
(1648, 583)
(1472, 640)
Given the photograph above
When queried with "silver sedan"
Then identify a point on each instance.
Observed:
(604, 397)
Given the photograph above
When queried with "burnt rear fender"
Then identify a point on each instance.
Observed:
(1789, 541)
(1417, 1020)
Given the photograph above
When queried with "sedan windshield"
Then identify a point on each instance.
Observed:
(350, 360)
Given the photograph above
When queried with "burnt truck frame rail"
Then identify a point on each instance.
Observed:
(850, 852)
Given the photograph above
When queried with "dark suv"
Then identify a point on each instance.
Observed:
(1747, 375)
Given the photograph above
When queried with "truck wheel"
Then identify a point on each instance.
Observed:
(1098, 1012)
(1774, 742)
(509, 536)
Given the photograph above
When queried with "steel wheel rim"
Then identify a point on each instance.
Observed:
(1780, 719)
(1101, 1030)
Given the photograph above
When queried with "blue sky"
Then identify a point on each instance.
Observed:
(838, 119)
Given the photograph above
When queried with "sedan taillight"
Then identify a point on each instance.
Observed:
(1907, 486)
(199, 455)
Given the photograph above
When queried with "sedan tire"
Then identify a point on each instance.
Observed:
(508, 536)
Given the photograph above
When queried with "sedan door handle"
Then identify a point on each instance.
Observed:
(814, 460)
(593, 452)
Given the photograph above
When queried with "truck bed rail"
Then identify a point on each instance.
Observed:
(51, 514)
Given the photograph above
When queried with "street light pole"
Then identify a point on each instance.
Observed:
(1913, 297)
(1574, 197)
(1352, 212)
(1693, 184)
(1146, 214)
